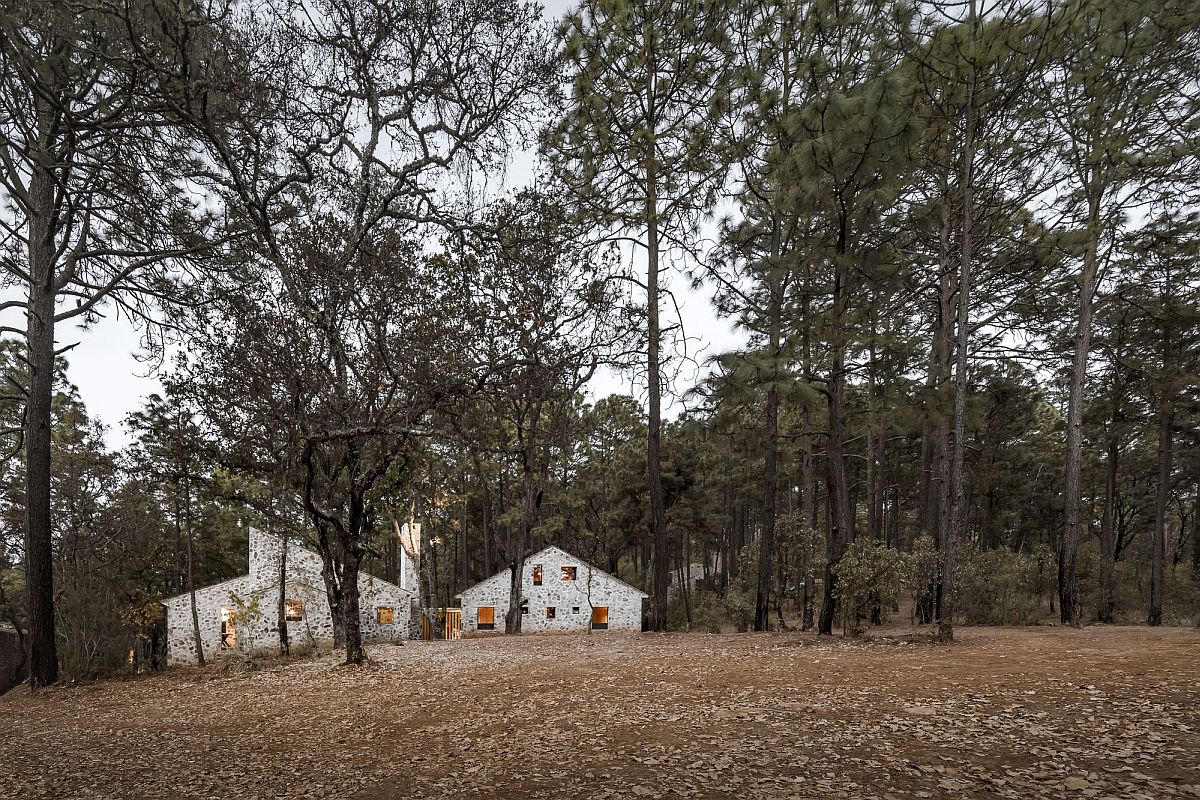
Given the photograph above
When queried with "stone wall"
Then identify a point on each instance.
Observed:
(304, 584)
(13, 661)
(572, 600)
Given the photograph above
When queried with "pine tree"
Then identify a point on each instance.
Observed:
(1117, 96)
(638, 149)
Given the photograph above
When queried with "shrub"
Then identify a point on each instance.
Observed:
(998, 587)
(1181, 596)
(870, 576)
(739, 605)
(707, 612)
(249, 613)
(924, 571)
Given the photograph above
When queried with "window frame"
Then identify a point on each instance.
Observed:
(537, 574)
(480, 625)
(570, 573)
(293, 610)
(391, 614)
(551, 612)
(599, 626)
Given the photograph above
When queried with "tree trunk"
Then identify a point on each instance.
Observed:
(1108, 589)
(1166, 425)
(331, 576)
(191, 582)
(840, 521)
(766, 549)
(351, 621)
(807, 520)
(1196, 534)
(956, 519)
(937, 497)
(660, 564)
(1068, 589)
(39, 556)
(285, 645)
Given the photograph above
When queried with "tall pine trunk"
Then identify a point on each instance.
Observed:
(191, 579)
(766, 550)
(807, 526)
(1166, 430)
(957, 516)
(1108, 545)
(1068, 587)
(840, 516)
(520, 543)
(39, 557)
(660, 562)
(1166, 426)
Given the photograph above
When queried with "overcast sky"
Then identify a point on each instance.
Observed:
(113, 381)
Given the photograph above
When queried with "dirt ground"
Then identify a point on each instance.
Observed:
(1014, 713)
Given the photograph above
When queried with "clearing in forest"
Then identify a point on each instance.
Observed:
(1007, 713)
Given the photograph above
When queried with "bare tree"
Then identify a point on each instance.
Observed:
(364, 110)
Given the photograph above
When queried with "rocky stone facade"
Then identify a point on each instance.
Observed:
(13, 666)
(385, 609)
(561, 592)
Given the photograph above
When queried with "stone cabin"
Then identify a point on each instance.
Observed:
(561, 593)
(386, 609)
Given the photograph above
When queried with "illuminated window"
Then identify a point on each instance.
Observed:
(384, 615)
(537, 574)
(293, 610)
(485, 618)
(600, 618)
(569, 573)
(549, 612)
(228, 629)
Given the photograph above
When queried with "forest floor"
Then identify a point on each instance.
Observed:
(1110, 712)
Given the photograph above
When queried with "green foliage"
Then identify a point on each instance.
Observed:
(871, 576)
(249, 614)
(1181, 598)
(709, 613)
(739, 606)
(924, 568)
(999, 587)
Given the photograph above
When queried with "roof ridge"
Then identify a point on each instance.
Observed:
(593, 567)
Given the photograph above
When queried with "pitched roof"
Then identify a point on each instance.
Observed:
(219, 584)
(290, 541)
(545, 549)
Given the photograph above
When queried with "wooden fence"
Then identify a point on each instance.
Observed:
(441, 623)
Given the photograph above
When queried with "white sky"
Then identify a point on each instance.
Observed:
(113, 382)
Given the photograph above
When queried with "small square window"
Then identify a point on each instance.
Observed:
(525, 608)
(574, 609)
(293, 610)
(549, 612)
(537, 574)
(384, 615)
(485, 618)
(568, 573)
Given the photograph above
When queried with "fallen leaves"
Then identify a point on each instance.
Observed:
(1106, 713)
